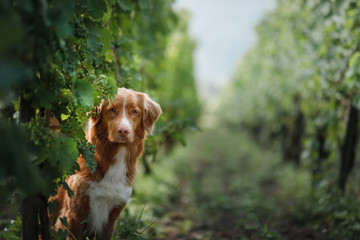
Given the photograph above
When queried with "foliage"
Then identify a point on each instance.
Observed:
(297, 90)
(133, 227)
(224, 182)
(60, 58)
(14, 230)
(330, 212)
(220, 173)
(298, 83)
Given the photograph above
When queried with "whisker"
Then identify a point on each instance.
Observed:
(102, 135)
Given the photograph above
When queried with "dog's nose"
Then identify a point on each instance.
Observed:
(123, 131)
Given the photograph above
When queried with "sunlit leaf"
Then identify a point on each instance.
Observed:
(106, 39)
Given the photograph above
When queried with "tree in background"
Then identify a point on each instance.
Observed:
(299, 86)
(182, 105)
(60, 58)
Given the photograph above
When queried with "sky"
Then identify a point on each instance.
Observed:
(224, 32)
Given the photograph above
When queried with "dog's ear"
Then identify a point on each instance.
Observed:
(151, 113)
(96, 112)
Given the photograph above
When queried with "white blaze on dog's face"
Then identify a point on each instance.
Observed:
(124, 115)
(129, 116)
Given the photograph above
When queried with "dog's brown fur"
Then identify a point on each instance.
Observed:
(105, 133)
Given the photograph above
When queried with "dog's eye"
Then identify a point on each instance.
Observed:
(112, 110)
(134, 111)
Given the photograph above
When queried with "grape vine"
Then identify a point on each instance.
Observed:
(58, 59)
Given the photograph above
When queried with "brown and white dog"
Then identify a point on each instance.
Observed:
(118, 132)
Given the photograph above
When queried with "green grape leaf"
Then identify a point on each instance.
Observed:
(54, 155)
(94, 38)
(125, 4)
(106, 38)
(52, 206)
(68, 190)
(63, 153)
(78, 133)
(69, 154)
(64, 221)
(89, 158)
(97, 8)
(83, 92)
(63, 234)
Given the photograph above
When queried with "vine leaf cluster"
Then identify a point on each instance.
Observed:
(58, 59)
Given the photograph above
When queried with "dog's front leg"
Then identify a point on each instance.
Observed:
(76, 228)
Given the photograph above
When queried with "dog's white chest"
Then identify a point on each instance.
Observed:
(111, 191)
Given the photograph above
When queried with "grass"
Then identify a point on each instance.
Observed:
(223, 185)
(220, 177)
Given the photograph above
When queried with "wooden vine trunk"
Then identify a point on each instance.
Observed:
(34, 206)
(322, 155)
(348, 148)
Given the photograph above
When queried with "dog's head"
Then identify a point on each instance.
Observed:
(129, 116)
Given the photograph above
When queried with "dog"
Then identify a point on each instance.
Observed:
(118, 132)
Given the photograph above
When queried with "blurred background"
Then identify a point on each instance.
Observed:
(223, 32)
(259, 133)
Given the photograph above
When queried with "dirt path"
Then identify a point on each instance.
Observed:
(183, 225)
(235, 190)
(281, 228)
